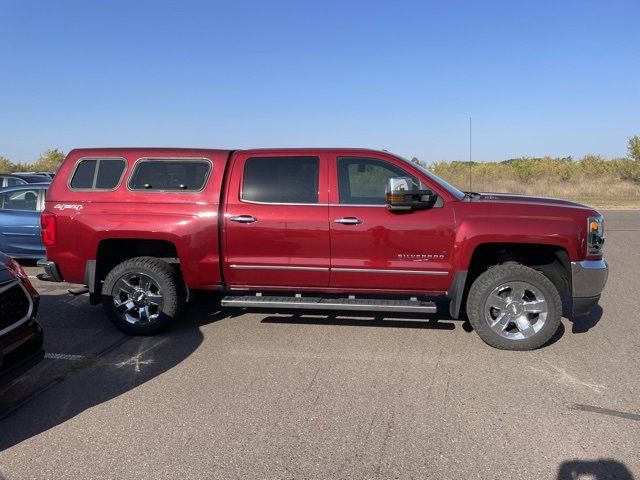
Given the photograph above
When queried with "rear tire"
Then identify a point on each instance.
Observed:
(142, 296)
(514, 307)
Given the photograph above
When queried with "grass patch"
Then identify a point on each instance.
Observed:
(592, 180)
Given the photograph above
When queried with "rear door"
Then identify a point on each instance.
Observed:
(20, 222)
(276, 231)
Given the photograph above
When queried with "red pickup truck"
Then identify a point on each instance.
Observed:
(322, 229)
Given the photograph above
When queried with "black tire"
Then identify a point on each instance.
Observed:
(167, 285)
(497, 277)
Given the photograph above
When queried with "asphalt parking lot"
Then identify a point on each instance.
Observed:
(235, 394)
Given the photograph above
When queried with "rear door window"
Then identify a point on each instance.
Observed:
(281, 180)
(98, 174)
(170, 175)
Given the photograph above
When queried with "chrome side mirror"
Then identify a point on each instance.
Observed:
(401, 195)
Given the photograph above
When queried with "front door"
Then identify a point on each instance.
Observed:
(276, 229)
(374, 248)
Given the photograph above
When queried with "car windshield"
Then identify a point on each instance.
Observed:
(446, 185)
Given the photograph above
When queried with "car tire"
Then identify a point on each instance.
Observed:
(142, 296)
(514, 307)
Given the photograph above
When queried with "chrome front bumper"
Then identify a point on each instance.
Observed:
(588, 278)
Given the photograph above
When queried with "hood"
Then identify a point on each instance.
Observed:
(514, 198)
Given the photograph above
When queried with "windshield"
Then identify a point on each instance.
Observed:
(446, 185)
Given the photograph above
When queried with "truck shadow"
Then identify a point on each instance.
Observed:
(586, 322)
(439, 321)
(57, 390)
(601, 469)
(353, 319)
(580, 324)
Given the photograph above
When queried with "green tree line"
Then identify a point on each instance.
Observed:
(49, 161)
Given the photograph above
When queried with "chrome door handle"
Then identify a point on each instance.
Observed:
(243, 219)
(348, 220)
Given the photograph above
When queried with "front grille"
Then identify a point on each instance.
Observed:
(14, 305)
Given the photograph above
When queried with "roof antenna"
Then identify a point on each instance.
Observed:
(470, 163)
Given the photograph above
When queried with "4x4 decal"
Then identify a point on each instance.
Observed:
(68, 206)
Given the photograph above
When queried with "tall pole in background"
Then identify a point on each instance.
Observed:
(470, 154)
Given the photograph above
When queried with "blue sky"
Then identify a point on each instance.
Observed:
(541, 77)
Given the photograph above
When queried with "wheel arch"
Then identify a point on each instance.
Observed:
(551, 260)
(113, 251)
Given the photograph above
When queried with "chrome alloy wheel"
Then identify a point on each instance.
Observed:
(138, 298)
(516, 310)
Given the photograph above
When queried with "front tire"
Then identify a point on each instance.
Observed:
(514, 307)
(141, 296)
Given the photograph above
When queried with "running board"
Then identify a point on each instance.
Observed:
(319, 303)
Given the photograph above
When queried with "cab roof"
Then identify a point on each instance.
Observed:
(183, 150)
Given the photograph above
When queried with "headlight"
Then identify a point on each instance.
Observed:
(595, 235)
(15, 268)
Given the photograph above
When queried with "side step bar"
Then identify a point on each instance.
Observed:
(320, 303)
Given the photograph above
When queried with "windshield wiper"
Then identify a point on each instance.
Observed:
(471, 195)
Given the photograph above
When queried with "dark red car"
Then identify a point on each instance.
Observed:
(20, 334)
(323, 229)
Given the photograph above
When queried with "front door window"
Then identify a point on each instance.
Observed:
(363, 181)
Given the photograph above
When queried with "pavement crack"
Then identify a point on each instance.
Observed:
(313, 380)
(385, 442)
(560, 375)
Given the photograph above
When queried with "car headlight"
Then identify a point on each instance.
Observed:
(595, 235)
(16, 269)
